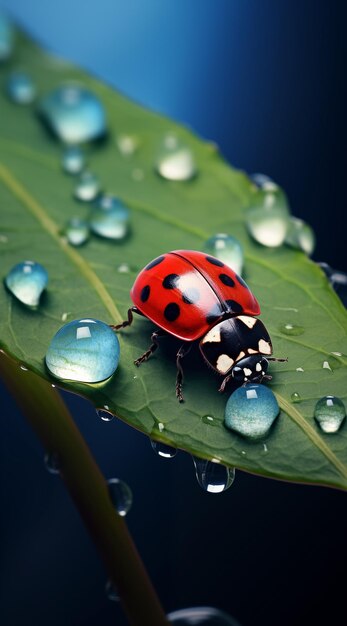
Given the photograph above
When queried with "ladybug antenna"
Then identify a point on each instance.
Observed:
(273, 358)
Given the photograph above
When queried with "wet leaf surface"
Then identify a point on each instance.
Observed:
(36, 202)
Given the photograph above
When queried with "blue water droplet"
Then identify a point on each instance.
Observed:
(105, 414)
(329, 413)
(74, 114)
(201, 616)
(27, 281)
(300, 235)
(175, 160)
(267, 217)
(226, 248)
(77, 231)
(111, 591)
(87, 187)
(52, 463)
(121, 495)
(73, 160)
(7, 37)
(251, 410)
(212, 476)
(163, 449)
(84, 350)
(109, 218)
(21, 88)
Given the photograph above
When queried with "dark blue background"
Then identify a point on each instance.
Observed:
(265, 79)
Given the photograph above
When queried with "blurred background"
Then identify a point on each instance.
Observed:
(265, 80)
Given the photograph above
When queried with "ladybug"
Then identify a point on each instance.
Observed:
(193, 296)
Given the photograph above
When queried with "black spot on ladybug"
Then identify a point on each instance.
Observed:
(155, 262)
(170, 281)
(233, 306)
(214, 261)
(172, 311)
(191, 295)
(242, 282)
(215, 314)
(145, 293)
(226, 280)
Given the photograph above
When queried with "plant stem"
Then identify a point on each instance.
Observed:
(50, 419)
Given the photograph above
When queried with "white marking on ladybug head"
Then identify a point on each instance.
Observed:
(264, 347)
(258, 367)
(224, 363)
(246, 319)
(251, 351)
(213, 336)
(247, 371)
(241, 355)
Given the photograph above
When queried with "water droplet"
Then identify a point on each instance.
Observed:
(265, 449)
(300, 235)
(208, 419)
(300, 369)
(291, 329)
(77, 231)
(201, 616)
(64, 317)
(162, 449)
(326, 366)
(111, 591)
(251, 410)
(23, 368)
(73, 160)
(295, 397)
(87, 187)
(264, 182)
(127, 144)
(7, 37)
(27, 281)
(213, 477)
(137, 174)
(109, 218)
(74, 114)
(84, 350)
(20, 88)
(3, 239)
(121, 495)
(330, 412)
(104, 414)
(227, 249)
(52, 462)
(161, 426)
(268, 216)
(336, 353)
(123, 268)
(175, 160)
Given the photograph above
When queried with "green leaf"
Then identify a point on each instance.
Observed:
(36, 200)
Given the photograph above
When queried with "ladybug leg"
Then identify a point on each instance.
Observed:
(127, 322)
(224, 383)
(152, 348)
(184, 349)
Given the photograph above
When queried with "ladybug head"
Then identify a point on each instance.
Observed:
(238, 346)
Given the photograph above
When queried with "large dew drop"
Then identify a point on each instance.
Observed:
(213, 477)
(201, 616)
(121, 495)
(7, 37)
(21, 88)
(163, 449)
(338, 281)
(27, 281)
(74, 114)
(300, 235)
(175, 160)
(251, 410)
(87, 187)
(84, 350)
(329, 413)
(227, 249)
(268, 216)
(109, 218)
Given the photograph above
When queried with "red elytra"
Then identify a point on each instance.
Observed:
(185, 293)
